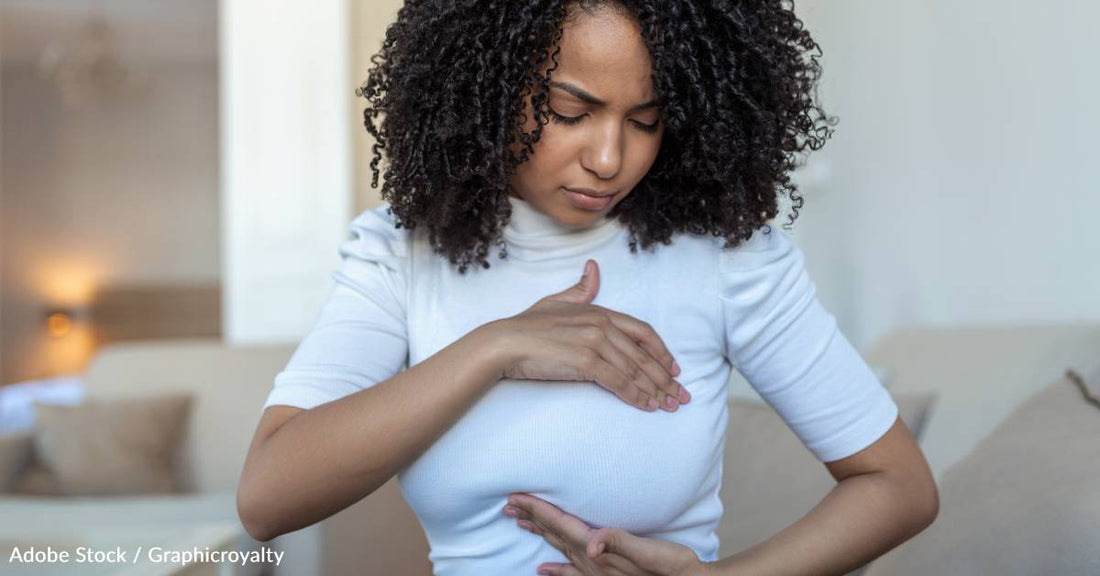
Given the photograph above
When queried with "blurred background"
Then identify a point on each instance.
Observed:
(173, 168)
(206, 158)
(959, 188)
(185, 170)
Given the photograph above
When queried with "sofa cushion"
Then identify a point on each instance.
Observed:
(27, 515)
(1024, 502)
(66, 524)
(770, 480)
(229, 384)
(104, 447)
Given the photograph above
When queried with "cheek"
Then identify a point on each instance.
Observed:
(553, 150)
(557, 147)
(646, 156)
(542, 169)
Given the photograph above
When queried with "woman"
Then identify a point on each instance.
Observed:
(566, 133)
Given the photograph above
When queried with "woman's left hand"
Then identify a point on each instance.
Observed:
(602, 552)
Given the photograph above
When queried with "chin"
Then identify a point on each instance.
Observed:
(577, 218)
(570, 215)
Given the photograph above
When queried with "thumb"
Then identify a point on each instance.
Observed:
(584, 291)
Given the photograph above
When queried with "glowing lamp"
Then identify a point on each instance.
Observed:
(59, 323)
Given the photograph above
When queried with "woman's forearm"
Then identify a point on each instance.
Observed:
(325, 459)
(860, 519)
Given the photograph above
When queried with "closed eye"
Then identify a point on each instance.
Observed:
(567, 120)
(650, 128)
(574, 120)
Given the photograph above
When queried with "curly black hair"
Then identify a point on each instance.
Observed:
(737, 89)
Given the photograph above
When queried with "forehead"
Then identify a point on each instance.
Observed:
(603, 50)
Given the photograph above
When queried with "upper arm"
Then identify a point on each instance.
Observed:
(895, 454)
(790, 349)
(360, 337)
(895, 451)
(273, 418)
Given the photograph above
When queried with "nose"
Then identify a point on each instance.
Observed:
(604, 154)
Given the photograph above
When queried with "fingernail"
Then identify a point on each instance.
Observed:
(684, 396)
(511, 512)
(675, 368)
(653, 404)
(587, 268)
(600, 548)
(671, 402)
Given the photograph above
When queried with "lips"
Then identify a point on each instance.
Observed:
(589, 202)
(593, 193)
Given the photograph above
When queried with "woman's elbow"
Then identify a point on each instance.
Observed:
(924, 505)
(250, 511)
(933, 508)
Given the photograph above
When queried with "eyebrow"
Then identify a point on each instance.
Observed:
(574, 90)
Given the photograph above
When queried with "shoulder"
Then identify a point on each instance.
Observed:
(766, 266)
(766, 245)
(377, 237)
(378, 220)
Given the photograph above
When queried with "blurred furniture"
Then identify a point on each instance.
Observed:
(143, 547)
(17, 400)
(1013, 440)
(1009, 437)
(73, 331)
(229, 385)
(145, 312)
(953, 385)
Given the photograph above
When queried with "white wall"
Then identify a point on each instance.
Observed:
(963, 187)
(121, 191)
(286, 162)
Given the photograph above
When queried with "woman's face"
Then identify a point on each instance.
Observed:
(611, 130)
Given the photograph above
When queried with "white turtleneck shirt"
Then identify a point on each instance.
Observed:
(656, 474)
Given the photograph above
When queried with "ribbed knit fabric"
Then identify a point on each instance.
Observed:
(656, 474)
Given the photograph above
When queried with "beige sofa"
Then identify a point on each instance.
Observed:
(1013, 441)
(229, 384)
(953, 385)
(226, 384)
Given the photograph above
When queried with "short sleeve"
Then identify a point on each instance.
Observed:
(789, 349)
(359, 338)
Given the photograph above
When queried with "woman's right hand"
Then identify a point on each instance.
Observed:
(565, 337)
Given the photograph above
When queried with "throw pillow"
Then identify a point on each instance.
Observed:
(770, 480)
(1024, 501)
(108, 447)
(15, 451)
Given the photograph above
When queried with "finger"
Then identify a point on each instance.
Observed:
(657, 382)
(584, 290)
(550, 517)
(648, 339)
(648, 554)
(614, 564)
(646, 336)
(553, 569)
(600, 360)
(610, 377)
(532, 528)
(621, 352)
(671, 392)
(552, 538)
(556, 540)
